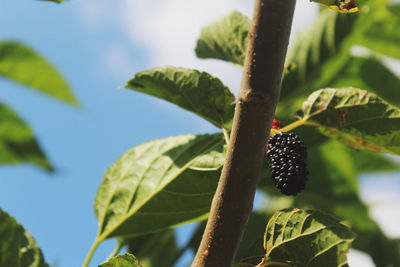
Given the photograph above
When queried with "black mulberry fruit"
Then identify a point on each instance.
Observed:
(287, 160)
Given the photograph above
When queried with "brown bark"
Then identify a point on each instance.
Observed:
(255, 108)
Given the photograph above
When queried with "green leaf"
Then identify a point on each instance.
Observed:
(21, 64)
(251, 250)
(17, 143)
(332, 186)
(371, 75)
(367, 162)
(125, 260)
(395, 9)
(356, 118)
(198, 92)
(155, 250)
(152, 188)
(384, 251)
(382, 34)
(318, 54)
(307, 238)
(225, 39)
(17, 246)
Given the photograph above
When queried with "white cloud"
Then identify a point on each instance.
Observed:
(118, 62)
(357, 258)
(169, 29)
(91, 13)
(383, 195)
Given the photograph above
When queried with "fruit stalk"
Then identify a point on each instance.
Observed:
(255, 108)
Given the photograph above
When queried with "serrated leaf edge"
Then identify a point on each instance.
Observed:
(272, 220)
(101, 236)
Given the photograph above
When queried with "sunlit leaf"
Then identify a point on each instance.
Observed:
(125, 260)
(307, 238)
(225, 39)
(17, 143)
(196, 91)
(348, 115)
(21, 64)
(152, 188)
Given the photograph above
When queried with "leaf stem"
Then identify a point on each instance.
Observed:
(91, 251)
(271, 263)
(273, 131)
(294, 125)
(226, 135)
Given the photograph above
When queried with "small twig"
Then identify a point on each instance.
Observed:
(226, 135)
(272, 263)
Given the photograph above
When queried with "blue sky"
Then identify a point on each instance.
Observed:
(98, 45)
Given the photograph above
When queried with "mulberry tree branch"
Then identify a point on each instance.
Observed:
(255, 108)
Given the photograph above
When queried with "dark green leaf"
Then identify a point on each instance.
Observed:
(367, 162)
(383, 251)
(394, 9)
(17, 143)
(198, 92)
(125, 260)
(333, 184)
(155, 250)
(382, 33)
(225, 39)
(17, 246)
(21, 64)
(371, 75)
(356, 118)
(251, 250)
(307, 238)
(319, 52)
(152, 188)
(332, 187)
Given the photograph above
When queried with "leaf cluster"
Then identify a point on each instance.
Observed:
(164, 183)
(343, 127)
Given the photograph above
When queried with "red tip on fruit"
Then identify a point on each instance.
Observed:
(276, 125)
